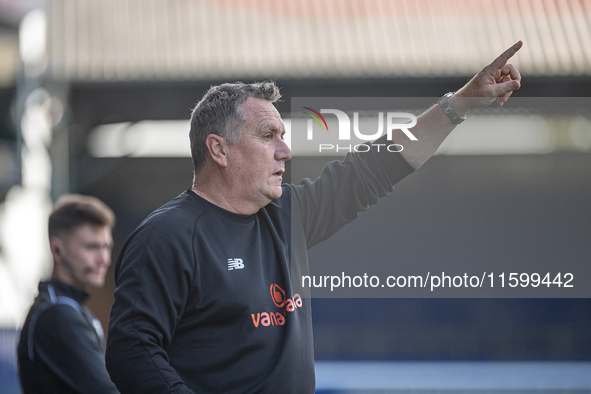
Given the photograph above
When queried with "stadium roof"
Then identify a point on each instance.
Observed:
(139, 40)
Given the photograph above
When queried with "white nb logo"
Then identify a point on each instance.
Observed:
(235, 264)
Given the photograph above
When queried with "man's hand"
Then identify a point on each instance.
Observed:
(497, 81)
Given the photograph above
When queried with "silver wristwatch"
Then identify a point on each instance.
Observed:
(449, 111)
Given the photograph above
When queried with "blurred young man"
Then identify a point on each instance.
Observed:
(61, 348)
(207, 297)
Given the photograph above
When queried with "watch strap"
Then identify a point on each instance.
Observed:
(449, 111)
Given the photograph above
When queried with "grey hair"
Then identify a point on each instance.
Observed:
(219, 113)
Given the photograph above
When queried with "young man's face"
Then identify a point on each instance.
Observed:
(83, 256)
(258, 159)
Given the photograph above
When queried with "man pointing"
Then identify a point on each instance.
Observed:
(207, 298)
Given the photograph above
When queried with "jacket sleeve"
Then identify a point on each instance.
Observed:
(67, 344)
(346, 188)
(153, 277)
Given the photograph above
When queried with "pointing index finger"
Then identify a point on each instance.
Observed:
(505, 56)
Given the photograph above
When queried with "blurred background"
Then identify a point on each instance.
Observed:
(95, 97)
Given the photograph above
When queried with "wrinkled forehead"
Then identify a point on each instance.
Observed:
(261, 114)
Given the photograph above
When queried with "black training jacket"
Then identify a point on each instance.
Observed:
(61, 346)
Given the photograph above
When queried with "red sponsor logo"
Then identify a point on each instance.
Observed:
(281, 301)
(278, 295)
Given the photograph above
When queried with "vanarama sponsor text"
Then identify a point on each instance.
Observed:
(281, 301)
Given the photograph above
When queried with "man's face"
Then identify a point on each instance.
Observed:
(257, 161)
(84, 256)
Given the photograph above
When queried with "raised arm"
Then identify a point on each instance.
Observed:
(495, 82)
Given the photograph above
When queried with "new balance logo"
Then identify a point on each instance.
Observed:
(235, 264)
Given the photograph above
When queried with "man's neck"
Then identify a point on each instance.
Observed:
(67, 279)
(225, 199)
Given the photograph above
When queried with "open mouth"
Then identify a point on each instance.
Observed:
(279, 173)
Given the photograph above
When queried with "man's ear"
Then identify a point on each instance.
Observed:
(218, 149)
(56, 246)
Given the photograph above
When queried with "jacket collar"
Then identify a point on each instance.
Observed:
(62, 289)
